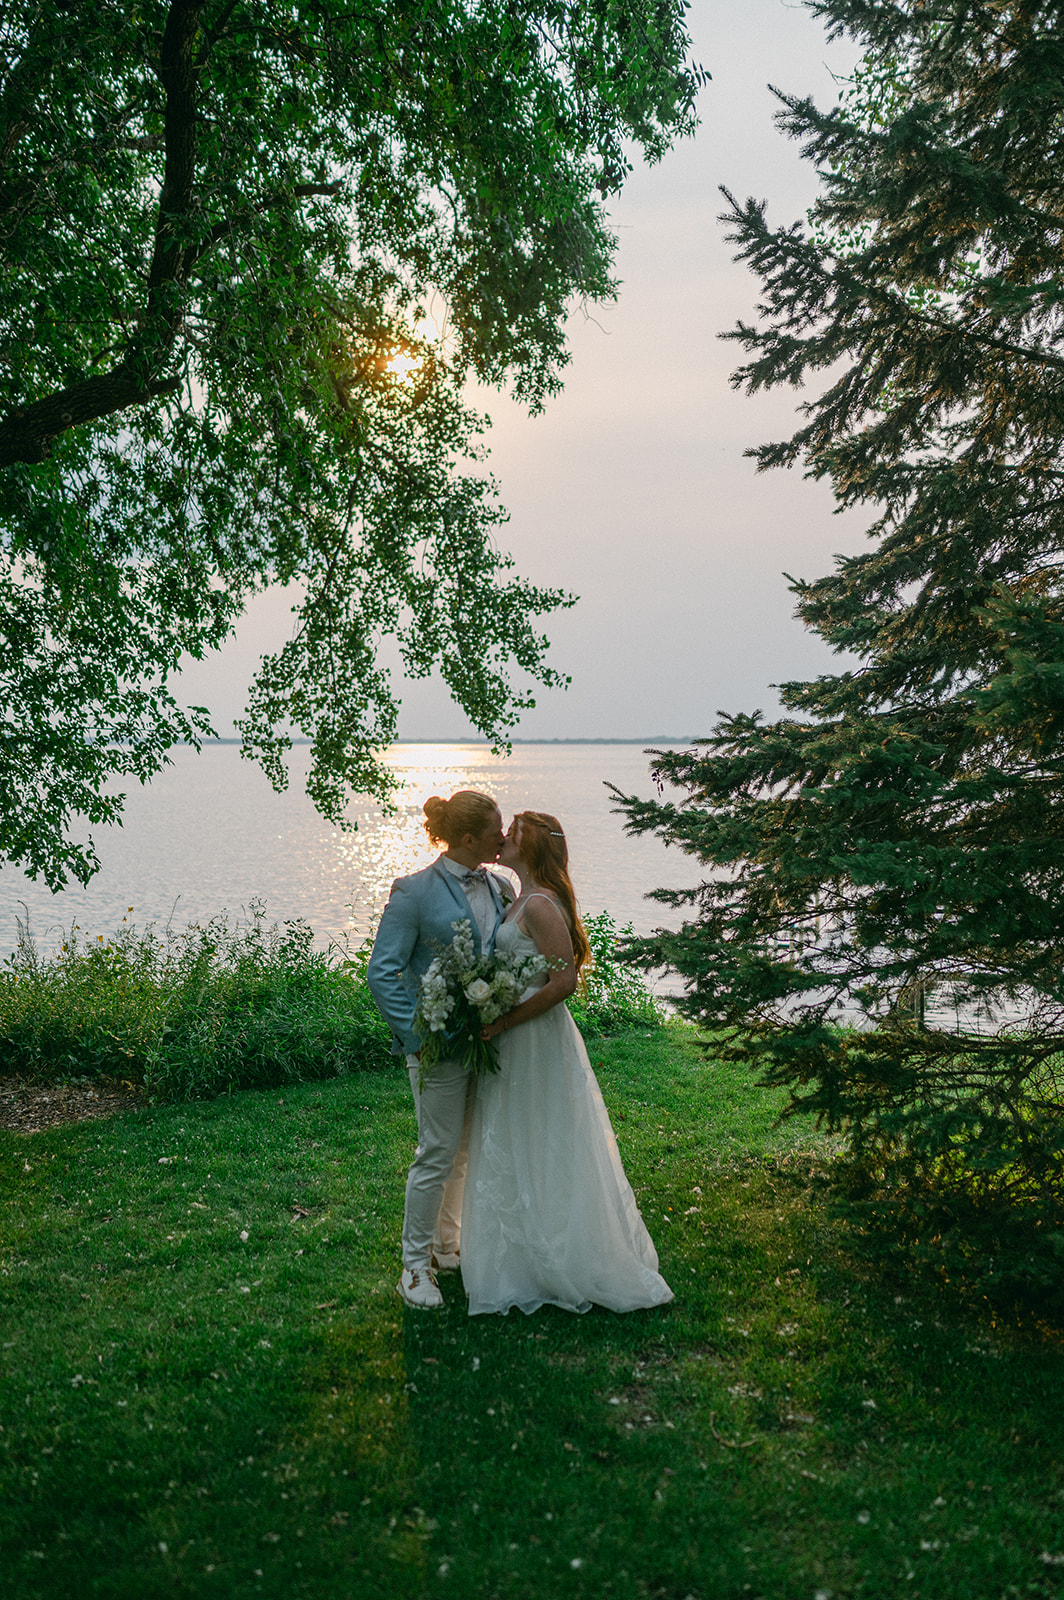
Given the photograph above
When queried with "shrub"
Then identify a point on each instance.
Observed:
(613, 997)
(216, 1008)
(228, 1006)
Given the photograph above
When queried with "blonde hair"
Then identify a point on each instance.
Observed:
(543, 846)
(468, 811)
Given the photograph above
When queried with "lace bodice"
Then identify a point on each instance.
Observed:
(512, 936)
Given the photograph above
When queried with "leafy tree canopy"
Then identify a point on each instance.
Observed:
(900, 832)
(252, 251)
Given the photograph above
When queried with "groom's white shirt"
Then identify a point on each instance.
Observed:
(479, 896)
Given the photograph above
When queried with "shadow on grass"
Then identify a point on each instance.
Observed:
(792, 1425)
(187, 1411)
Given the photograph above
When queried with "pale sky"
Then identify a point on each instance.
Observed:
(632, 489)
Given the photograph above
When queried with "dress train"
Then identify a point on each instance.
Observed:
(548, 1216)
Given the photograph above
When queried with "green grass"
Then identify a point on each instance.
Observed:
(186, 1412)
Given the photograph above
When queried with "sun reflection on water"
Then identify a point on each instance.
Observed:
(210, 835)
(389, 846)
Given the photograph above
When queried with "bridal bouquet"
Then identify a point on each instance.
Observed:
(461, 992)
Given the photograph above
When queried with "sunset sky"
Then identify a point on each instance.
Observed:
(632, 488)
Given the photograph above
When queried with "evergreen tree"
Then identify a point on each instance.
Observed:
(228, 230)
(898, 836)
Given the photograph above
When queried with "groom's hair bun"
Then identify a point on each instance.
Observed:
(468, 811)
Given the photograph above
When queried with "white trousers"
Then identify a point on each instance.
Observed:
(432, 1220)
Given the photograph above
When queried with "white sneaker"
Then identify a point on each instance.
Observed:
(443, 1262)
(419, 1289)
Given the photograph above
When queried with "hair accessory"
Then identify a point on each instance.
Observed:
(555, 834)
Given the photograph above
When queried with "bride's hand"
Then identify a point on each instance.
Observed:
(492, 1029)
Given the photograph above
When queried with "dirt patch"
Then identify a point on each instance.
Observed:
(566, 1359)
(30, 1107)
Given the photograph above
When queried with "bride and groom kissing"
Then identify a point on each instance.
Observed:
(516, 1179)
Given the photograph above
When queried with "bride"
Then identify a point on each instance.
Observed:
(548, 1216)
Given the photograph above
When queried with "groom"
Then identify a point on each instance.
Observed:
(417, 920)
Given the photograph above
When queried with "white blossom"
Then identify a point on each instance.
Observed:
(458, 981)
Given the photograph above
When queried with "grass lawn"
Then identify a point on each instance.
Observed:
(209, 1386)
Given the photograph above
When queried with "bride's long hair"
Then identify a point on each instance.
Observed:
(543, 847)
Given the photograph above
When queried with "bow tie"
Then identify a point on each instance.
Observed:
(475, 875)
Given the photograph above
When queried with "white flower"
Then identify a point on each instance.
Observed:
(461, 992)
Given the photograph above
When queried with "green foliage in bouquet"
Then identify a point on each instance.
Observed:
(899, 832)
(462, 992)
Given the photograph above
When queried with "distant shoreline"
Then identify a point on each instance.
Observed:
(650, 739)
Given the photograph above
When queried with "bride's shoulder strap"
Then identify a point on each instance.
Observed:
(538, 894)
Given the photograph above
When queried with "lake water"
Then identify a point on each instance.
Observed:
(210, 835)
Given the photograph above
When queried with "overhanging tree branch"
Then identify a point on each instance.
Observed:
(299, 191)
(275, 421)
(27, 434)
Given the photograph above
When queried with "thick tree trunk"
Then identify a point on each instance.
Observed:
(27, 433)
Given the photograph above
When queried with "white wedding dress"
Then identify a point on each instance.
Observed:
(548, 1216)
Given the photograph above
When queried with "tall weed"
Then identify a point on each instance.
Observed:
(228, 1006)
(219, 1007)
(612, 998)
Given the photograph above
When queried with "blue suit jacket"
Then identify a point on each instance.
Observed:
(416, 922)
